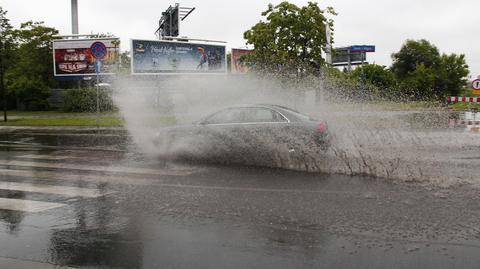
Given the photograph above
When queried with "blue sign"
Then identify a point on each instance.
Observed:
(362, 48)
(98, 50)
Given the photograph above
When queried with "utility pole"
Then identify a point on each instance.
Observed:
(75, 25)
(74, 17)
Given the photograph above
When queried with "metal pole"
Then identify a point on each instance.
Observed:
(349, 61)
(2, 84)
(98, 103)
(98, 93)
(362, 77)
(74, 17)
(328, 54)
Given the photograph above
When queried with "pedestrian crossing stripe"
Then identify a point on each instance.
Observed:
(52, 189)
(58, 175)
(110, 169)
(44, 157)
(27, 205)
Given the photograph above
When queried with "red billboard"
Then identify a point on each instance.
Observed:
(239, 67)
(73, 57)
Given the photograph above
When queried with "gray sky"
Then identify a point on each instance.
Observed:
(451, 25)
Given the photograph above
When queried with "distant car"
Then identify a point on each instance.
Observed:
(245, 132)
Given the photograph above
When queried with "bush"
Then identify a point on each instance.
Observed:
(85, 100)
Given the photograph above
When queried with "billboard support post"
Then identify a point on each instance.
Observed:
(74, 17)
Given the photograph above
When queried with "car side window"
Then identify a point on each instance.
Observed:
(226, 116)
(245, 115)
(262, 115)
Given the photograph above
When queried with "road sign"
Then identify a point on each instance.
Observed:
(98, 49)
(362, 48)
(476, 86)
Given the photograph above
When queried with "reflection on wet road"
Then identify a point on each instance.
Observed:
(103, 206)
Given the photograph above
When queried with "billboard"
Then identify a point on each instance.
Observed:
(152, 57)
(73, 57)
(237, 66)
(342, 55)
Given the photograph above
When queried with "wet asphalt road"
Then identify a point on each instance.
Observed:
(91, 201)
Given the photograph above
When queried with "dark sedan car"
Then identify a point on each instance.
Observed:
(251, 134)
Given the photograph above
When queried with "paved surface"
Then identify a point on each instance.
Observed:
(91, 201)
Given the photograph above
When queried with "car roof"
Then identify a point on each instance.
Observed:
(290, 114)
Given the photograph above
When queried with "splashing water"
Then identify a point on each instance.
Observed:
(368, 140)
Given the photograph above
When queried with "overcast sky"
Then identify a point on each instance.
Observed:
(453, 26)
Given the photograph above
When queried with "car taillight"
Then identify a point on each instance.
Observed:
(322, 127)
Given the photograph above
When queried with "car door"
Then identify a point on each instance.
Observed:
(223, 134)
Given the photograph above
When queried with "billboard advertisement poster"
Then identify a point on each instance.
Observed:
(73, 57)
(238, 67)
(342, 55)
(171, 57)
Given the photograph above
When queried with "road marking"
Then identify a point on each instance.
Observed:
(18, 263)
(27, 205)
(52, 189)
(110, 169)
(252, 189)
(156, 182)
(73, 177)
(44, 157)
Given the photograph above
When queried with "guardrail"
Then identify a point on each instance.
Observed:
(464, 99)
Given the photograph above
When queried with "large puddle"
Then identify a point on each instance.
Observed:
(375, 140)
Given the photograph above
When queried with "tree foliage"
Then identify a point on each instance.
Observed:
(290, 38)
(30, 75)
(7, 48)
(425, 73)
(377, 75)
(412, 54)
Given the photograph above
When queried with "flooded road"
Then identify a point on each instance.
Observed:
(88, 200)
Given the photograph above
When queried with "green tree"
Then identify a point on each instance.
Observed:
(452, 74)
(125, 62)
(31, 75)
(419, 84)
(7, 46)
(377, 75)
(414, 53)
(290, 39)
(424, 73)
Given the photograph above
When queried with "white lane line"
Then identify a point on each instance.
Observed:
(157, 182)
(43, 157)
(27, 205)
(132, 170)
(52, 189)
